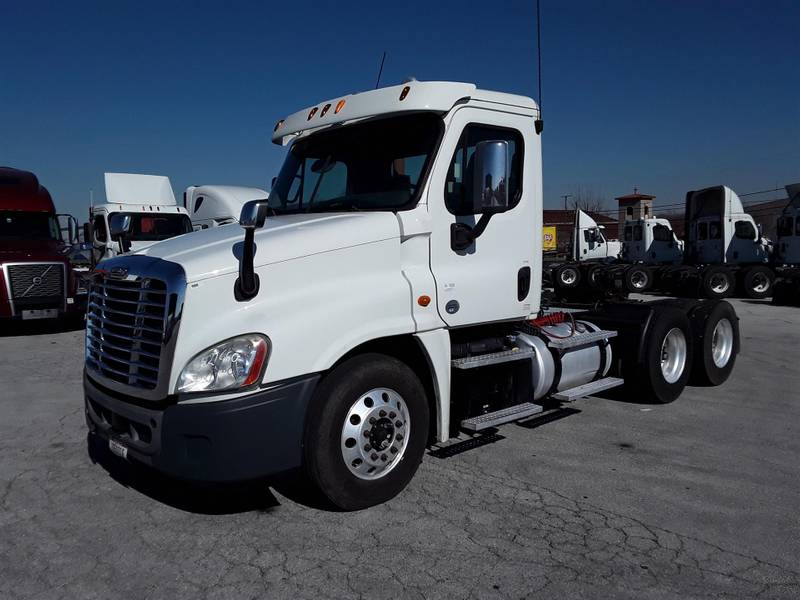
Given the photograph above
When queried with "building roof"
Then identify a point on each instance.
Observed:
(634, 197)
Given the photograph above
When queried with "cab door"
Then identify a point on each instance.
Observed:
(498, 275)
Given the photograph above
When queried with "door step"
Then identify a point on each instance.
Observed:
(580, 339)
(588, 389)
(494, 358)
(498, 417)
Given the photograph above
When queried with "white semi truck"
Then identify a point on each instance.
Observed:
(723, 253)
(146, 204)
(215, 205)
(786, 258)
(385, 297)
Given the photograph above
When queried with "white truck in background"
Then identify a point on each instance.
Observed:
(386, 297)
(215, 205)
(724, 253)
(786, 259)
(145, 204)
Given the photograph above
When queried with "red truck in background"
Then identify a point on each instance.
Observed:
(36, 277)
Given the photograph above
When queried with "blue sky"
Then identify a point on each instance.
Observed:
(665, 95)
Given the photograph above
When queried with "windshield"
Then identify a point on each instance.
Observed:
(28, 225)
(375, 165)
(152, 227)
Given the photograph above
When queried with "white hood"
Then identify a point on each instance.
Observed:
(216, 251)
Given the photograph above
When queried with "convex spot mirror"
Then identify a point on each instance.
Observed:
(490, 177)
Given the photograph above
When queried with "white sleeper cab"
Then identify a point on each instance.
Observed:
(385, 297)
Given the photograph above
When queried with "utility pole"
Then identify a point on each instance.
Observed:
(565, 196)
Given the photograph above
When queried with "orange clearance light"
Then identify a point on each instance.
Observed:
(424, 300)
(312, 113)
(339, 106)
(278, 125)
(404, 93)
(325, 109)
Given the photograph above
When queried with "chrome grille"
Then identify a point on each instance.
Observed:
(126, 329)
(35, 280)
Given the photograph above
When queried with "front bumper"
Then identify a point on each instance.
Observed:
(245, 438)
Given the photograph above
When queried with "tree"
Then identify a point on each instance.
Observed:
(589, 199)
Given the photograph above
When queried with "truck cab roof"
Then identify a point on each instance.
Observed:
(410, 96)
(21, 190)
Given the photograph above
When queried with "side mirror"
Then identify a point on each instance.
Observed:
(119, 225)
(254, 214)
(490, 177)
(252, 217)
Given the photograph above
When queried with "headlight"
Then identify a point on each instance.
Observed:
(232, 364)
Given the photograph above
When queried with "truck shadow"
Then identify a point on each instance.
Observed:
(187, 496)
(41, 327)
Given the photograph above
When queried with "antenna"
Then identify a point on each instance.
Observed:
(539, 123)
(380, 71)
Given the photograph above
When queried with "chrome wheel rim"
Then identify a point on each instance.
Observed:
(673, 355)
(719, 283)
(760, 283)
(569, 276)
(639, 279)
(722, 343)
(375, 433)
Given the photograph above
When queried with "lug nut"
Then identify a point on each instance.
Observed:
(367, 448)
(374, 456)
(399, 437)
(372, 420)
(383, 457)
(366, 433)
(398, 423)
(392, 415)
(394, 450)
(382, 413)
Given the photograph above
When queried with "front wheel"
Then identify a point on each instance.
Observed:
(568, 276)
(366, 432)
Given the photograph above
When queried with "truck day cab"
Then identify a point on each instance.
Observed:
(385, 297)
(36, 277)
(145, 204)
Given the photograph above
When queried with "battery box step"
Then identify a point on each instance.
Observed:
(498, 417)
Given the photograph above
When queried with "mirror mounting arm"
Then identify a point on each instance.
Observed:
(252, 217)
(247, 284)
(462, 236)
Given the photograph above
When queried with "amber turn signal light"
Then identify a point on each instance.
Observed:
(339, 106)
(424, 300)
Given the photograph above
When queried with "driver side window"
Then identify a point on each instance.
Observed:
(459, 183)
(99, 227)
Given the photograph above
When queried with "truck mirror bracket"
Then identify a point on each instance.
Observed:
(247, 284)
(462, 236)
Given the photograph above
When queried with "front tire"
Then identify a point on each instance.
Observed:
(638, 279)
(568, 276)
(366, 431)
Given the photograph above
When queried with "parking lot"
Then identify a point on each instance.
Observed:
(607, 498)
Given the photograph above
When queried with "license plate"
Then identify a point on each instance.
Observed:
(40, 313)
(117, 448)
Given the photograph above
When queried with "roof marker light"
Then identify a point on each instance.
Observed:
(325, 109)
(278, 125)
(404, 93)
(339, 106)
(312, 113)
